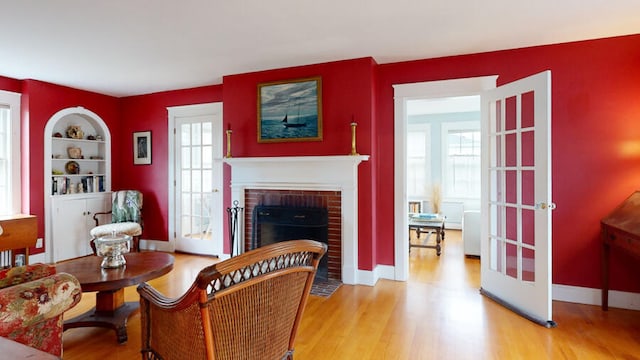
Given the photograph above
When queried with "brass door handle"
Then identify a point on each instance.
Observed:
(543, 206)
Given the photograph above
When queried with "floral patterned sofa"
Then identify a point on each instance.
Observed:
(32, 301)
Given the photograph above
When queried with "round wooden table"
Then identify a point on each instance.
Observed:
(111, 311)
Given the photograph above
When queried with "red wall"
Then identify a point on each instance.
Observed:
(595, 111)
(9, 84)
(595, 138)
(143, 113)
(346, 97)
(40, 101)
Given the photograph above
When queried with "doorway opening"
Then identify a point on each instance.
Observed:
(408, 99)
(443, 156)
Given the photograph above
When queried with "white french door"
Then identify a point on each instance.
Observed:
(197, 222)
(516, 196)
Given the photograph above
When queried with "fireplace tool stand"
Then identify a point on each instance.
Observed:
(234, 213)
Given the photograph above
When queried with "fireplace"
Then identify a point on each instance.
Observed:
(332, 180)
(301, 199)
(273, 224)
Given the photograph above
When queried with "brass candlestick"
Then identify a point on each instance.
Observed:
(229, 143)
(353, 139)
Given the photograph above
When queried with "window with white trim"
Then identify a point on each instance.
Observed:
(462, 160)
(418, 160)
(9, 153)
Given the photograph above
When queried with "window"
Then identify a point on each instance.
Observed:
(462, 163)
(418, 160)
(9, 153)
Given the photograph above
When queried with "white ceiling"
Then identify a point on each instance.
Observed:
(130, 47)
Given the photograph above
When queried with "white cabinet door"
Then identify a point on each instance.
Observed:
(72, 219)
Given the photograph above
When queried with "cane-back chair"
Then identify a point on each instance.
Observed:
(246, 307)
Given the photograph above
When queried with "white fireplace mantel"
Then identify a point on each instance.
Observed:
(321, 173)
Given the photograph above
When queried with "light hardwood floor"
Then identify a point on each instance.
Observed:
(437, 314)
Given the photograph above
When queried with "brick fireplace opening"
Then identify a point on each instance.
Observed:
(302, 199)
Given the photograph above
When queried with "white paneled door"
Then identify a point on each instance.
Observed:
(196, 178)
(516, 196)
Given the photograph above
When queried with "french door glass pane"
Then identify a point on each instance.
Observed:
(197, 178)
(528, 227)
(511, 260)
(186, 158)
(510, 120)
(185, 134)
(528, 116)
(528, 148)
(528, 265)
(528, 187)
(196, 134)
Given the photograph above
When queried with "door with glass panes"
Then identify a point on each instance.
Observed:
(197, 178)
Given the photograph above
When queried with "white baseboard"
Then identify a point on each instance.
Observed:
(167, 246)
(370, 278)
(385, 272)
(365, 277)
(157, 245)
(591, 296)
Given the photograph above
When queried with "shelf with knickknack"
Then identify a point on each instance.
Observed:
(78, 156)
(77, 181)
(72, 171)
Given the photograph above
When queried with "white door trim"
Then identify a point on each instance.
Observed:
(403, 93)
(175, 112)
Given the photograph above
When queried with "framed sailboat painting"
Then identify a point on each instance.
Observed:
(290, 110)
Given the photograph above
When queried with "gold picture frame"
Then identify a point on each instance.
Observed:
(142, 148)
(290, 110)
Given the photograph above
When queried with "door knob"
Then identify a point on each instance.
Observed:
(544, 206)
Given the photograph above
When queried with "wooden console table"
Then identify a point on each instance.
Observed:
(18, 234)
(621, 228)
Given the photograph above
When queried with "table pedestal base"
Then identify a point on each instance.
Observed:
(110, 312)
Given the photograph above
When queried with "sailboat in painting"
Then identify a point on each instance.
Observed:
(287, 124)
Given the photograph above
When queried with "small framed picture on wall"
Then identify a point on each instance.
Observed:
(142, 148)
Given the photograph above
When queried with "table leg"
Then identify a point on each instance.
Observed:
(111, 311)
(439, 232)
(605, 276)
